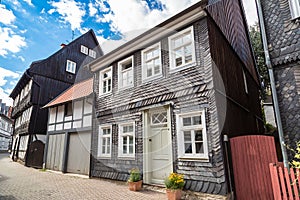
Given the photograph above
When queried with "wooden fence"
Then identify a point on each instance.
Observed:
(285, 185)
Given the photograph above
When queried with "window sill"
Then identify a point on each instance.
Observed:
(194, 159)
(120, 89)
(105, 94)
(176, 69)
(104, 157)
(126, 157)
(150, 79)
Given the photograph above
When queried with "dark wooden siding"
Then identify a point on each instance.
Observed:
(188, 88)
(241, 111)
(229, 17)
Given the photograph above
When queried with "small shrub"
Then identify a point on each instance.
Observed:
(174, 181)
(135, 175)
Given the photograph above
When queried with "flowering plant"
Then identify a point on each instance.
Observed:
(135, 175)
(174, 181)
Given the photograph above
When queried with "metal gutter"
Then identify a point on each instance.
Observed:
(272, 82)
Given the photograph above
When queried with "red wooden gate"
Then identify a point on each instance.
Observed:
(251, 156)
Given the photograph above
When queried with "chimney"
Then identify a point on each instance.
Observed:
(62, 45)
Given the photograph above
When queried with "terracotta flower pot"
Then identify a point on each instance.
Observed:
(174, 194)
(135, 186)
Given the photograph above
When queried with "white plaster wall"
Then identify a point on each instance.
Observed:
(88, 106)
(77, 109)
(60, 114)
(87, 121)
(52, 115)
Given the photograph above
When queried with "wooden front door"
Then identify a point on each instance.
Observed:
(157, 145)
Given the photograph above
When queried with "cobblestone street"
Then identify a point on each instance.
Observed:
(20, 182)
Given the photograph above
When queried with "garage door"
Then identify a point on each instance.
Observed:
(55, 152)
(79, 153)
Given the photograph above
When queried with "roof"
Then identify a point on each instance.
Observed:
(76, 91)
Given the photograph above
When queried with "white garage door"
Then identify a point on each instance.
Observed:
(79, 153)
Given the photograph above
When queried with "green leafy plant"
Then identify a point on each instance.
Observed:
(174, 181)
(135, 175)
(296, 161)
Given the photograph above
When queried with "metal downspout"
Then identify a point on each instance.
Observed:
(272, 82)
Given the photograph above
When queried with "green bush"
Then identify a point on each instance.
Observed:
(135, 175)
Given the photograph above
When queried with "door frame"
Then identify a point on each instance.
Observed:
(146, 159)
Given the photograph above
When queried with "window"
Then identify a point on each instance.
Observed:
(126, 72)
(104, 142)
(105, 81)
(126, 140)
(182, 50)
(84, 50)
(245, 82)
(151, 59)
(68, 109)
(192, 141)
(71, 66)
(295, 8)
(92, 53)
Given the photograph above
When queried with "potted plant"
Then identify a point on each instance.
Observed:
(134, 181)
(174, 184)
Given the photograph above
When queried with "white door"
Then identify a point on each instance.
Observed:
(157, 145)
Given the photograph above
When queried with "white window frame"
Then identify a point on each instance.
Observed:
(172, 55)
(71, 66)
(121, 136)
(295, 8)
(92, 53)
(180, 136)
(120, 72)
(102, 80)
(84, 50)
(100, 137)
(144, 60)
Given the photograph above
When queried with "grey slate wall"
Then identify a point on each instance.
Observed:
(283, 36)
(190, 88)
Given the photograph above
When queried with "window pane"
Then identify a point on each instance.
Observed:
(130, 140)
(109, 85)
(188, 147)
(125, 129)
(177, 42)
(187, 136)
(103, 149)
(199, 147)
(125, 140)
(187, 38)
(131, 149)
(124, 149)
(126, 66)
(198, 135)
(187, 121)
(130, 128)
(155, 52)
(196, 120)
(149, 71)
(104, 87)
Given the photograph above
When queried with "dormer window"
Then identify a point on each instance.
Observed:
(84, 50)
(71, 66)
(126, 73)
(295, 8)
(92, 53)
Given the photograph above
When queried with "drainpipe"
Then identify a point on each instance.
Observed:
(272, 82)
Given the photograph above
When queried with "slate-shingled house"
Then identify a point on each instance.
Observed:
(40, 83)
(282, 25)
(164, 100)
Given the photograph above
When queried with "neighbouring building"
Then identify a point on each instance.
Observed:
(41, 83)
(69, 129)
(5, 127)
(282, 25)
(164, 100)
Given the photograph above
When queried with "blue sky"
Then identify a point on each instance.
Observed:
(32, 30)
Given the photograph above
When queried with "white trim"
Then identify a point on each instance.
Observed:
(180, 136)
(84, 49)
(155, 34)
(92, 53)
(294, 8)
(180, 34)
(120, 142)
(144, 71)
(100, 136)
(101, 81)
(120, 78)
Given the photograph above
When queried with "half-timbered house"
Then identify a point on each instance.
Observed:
(69, 129)
(40, 83)
(164, 100)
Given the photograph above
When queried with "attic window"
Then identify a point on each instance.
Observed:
(92, 53)
(295, 8)
(71, 66)
(84, 50)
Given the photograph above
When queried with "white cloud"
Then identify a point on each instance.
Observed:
(251, 13)
(92, 9)
(10, 41)
(29, 2)
(71, 12)
(6, 16)
(127, 15)
(4, 92)
(43, 11)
